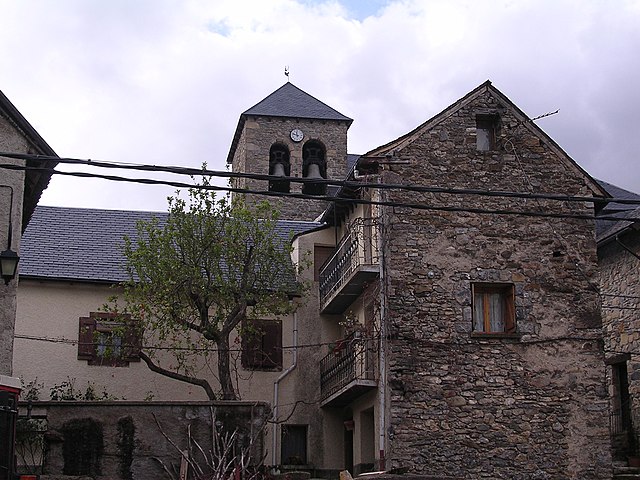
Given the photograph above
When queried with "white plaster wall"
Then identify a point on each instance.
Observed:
(49, 311)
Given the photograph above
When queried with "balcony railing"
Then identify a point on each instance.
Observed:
(353, 263)
(349, 370)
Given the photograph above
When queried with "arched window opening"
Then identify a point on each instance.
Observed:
(280, 166)
(314, 166)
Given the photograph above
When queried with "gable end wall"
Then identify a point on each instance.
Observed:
(533, 406)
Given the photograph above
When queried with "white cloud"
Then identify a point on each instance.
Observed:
(164, 81)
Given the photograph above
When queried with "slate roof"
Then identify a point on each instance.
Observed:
(629, 214)
(287, 101)
(290, 101)
(85, 244)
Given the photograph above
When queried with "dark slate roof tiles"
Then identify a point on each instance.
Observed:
(86, 244)
(629, 214)
(290, 101)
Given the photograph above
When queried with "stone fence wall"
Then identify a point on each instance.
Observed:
(126, 440)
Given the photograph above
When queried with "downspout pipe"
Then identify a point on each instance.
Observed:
(276, 385)
(382, 405)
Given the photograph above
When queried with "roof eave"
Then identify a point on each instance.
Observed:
(93, 281)
(36, 181)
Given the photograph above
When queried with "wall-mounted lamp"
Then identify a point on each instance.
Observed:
(9, 259)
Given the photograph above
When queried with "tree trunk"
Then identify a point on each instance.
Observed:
(224, 368)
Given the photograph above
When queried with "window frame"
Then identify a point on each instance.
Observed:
(258, 352)
(487, 123)
(507, 295)
(105, 323)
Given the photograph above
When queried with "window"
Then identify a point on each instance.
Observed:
(314, 165)
(493, 308)
(486, 132)
(294, 445)
(262, 345)
(279, 166)
(105, 340)
(83, 447)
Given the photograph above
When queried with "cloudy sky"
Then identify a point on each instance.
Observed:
(164, 81)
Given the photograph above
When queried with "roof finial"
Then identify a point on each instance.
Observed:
(286, 72)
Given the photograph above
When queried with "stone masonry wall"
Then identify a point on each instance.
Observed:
(252, 156)
(138, 450)
(531, 405)
(10, 141)
(620, 289)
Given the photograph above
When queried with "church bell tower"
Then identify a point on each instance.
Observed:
(290, 134)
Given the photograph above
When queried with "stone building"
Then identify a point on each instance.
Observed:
(618, 257)
(490, 361)
(21, 184)
(447, 332)
(20, 190)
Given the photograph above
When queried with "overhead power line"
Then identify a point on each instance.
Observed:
(333, 199)
(340, 183)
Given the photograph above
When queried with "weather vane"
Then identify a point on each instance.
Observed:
(286, 72)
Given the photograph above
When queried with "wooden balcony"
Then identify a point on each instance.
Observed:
(348, 372)
(355, 263)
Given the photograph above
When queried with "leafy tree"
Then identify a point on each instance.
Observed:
(210, 269)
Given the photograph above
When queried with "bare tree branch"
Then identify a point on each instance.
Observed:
(177, 376)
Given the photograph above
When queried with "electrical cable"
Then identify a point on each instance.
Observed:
(326, 198)
(341, 183)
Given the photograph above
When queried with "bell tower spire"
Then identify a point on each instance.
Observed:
(290, 134)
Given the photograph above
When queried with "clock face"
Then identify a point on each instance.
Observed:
(297, 135)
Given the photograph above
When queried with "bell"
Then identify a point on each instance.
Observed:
(313, 171)
(278, 170)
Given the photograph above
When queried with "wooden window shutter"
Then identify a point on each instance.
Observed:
(252, 347)
(272, 344)
(132, 342)
(510, 311)
(262, 348)
(86, 347)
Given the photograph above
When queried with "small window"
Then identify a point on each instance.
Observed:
(262, 345)
(486, 132)
(493, 308)
(294, 445)
(105, 340)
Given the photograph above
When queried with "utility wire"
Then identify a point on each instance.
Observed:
(69, 341)
(415, 206)
(341, 183)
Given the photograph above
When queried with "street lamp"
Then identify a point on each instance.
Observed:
(9, 259)
(8, 265)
